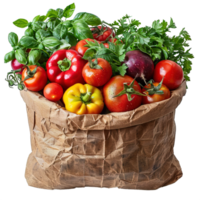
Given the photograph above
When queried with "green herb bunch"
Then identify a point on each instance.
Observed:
(49, 33)
(154, 40)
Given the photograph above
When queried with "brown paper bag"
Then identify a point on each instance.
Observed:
(131, 150)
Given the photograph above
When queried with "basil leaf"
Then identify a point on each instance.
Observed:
(9, 57)
(51, 42)
(34, 57)
(28, 42)
(67, 23)
(60, 31)
(81, 30)
(39, 18)
(13, 39)
(21, 56)
(29, 32)
(52, 13)
(71, 39)
(69, 10)
(89, 18)
(64, 45)
(21, 23)
(41, 34)
(53, 23)
(38, 25)
(60, 12)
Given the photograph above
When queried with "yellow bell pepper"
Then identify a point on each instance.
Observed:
(83, 99)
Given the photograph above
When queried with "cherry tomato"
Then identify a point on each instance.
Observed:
(155, 97)
(37, 81)
(113, 40)
(97, 72)
(172, 73)
(101, 33)
(53, 92)
(121, 103)
(16, 65)
(80, 46)
(106, 45)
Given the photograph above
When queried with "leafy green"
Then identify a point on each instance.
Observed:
(69, 10)
(81, 30)
(155, 41)
(89, 18)
(9, 56)
(13, 39)
(21, 56)
(21, 23)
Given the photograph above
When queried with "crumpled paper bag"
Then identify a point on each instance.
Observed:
(130, 150)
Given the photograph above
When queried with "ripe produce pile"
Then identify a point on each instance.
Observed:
(87, 62)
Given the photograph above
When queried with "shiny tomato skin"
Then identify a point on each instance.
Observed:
(103, 36)
(53, 92)
(80, 46)
(38, 81)
(121, 103)
(97, 77)
(114, 40)
(16, 65)
(106, 45)
(155, 97)
(172, 73)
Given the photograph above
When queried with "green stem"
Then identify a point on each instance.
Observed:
(64, 64)
(86, 97)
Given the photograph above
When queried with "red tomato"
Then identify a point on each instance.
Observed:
(155, 97)
(121, 103)
(172, 73)
(53, 92)
(102, 33)
(97, 74)
(113, 40)
(72, 47)
(37, 80)
(16, 65)
(106, 45)
(80, 46)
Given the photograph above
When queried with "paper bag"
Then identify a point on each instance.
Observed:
(130, 150)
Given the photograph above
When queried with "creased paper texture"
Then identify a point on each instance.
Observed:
(130, 150)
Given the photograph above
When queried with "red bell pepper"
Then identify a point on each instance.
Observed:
(65, 68)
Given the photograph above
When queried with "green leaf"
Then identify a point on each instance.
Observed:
(89, 54)
(29, 32)
(185, 34)
(21, 56)
(64, 45)
(69, 10)
(71, 39)
(60, 12)
(60, 31)
(9, 57)
(41, 34)
(122, 69)
(172, 23)
(13, 39)
(81, 30)
(38, 25)
(52, 13)
(28, 42)
(51, 42)
(39, 18)
(157, 26)
(52, 24)
(34, 57)
(21, 23)
(89, 18)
